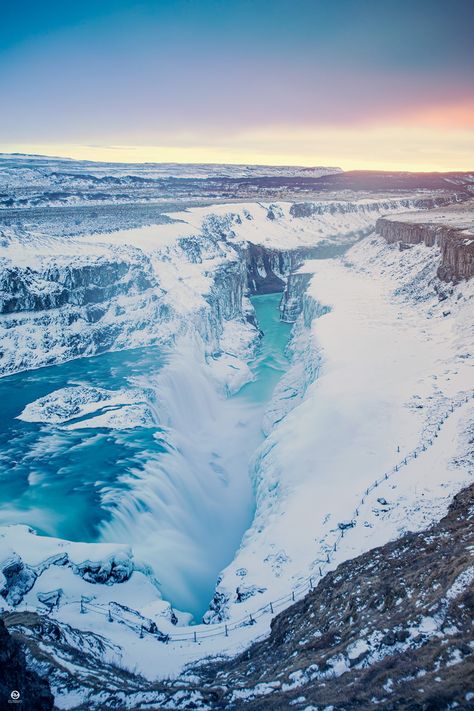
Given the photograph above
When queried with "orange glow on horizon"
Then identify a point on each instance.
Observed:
(451, 116)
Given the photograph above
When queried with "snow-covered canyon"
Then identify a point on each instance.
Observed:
(380, 350)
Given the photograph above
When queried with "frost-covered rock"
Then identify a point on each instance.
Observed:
(16, 579)
(61, 299)
(119, 409)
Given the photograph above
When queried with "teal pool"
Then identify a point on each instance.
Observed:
(179, 492)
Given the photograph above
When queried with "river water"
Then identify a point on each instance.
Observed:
(179, 492)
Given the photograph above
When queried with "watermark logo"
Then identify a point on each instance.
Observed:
(14, 697)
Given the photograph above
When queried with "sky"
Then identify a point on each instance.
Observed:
(368, 84)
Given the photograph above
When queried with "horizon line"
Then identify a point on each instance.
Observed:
(237, 164)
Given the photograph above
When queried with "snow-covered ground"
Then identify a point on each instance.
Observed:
(380, 353)
(393, 357)
(460, 217)
(62, 298)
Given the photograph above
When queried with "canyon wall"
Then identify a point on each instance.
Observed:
(65, 298)
(457, 245)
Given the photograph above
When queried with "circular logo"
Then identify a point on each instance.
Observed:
(15, 695)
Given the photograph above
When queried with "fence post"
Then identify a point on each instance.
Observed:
(251, 619)
(320, 572)
(311, 583)
(293, 595)
(195, 637)
(226, 631)
(110, 615)
(271, 608)
(83, 609)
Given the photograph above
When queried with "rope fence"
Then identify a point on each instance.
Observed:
(115, 612)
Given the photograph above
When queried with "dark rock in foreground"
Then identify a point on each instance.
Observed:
(33, 692)
(390, 629)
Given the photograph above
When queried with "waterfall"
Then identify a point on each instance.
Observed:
(184, 510)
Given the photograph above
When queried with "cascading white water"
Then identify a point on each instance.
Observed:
(190, 503)
(163, 467)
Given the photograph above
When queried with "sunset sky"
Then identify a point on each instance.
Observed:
(383, 84)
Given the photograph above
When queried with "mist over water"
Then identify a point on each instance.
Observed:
(179, 493)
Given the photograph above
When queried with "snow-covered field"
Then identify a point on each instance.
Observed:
(380, 353)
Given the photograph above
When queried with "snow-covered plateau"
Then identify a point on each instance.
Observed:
(359, 430)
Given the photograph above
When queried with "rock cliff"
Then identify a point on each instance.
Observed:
(456, 243)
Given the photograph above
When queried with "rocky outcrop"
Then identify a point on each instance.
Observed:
(265, 269)
(389, 629)
(17, 682)
(17, 578)
(79, 283)
(268, 268)
(309, 209)
(456, 244)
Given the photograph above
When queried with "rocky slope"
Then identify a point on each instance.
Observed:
(390, 629)
(15, 676)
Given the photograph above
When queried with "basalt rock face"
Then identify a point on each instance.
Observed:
(292, 301)
(308, 209)
(34, 692)
(265, 269)
(268, 268)
(80, 284)
(457, 246)
(17, 577)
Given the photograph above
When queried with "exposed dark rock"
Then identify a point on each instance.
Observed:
(390, 629)
(457, 245)
(34, 692)
(25, 289)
